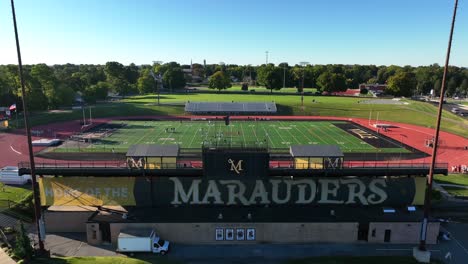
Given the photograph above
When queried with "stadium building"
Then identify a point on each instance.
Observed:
(227, 191)
(237, 197)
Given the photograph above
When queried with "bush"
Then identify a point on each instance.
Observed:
(245, 87)
(364, 91)
(22, 248)
(436, 195)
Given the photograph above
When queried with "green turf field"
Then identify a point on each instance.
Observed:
(192, 134)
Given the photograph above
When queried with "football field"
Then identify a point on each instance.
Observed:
(194, 134)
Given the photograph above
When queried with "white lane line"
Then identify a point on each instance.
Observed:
(17, 152)
(451, 236)
(403, 249)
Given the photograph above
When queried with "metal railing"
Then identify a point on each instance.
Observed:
(120, 164)
(109, 165)
(357, 165)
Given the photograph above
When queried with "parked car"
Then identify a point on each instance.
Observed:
(9, 175)
(141, 240)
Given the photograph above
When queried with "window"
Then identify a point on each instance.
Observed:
(373, 232)
(94, 234)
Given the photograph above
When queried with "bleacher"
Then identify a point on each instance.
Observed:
(230, 108)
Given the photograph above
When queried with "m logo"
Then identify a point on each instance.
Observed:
(237, 168)
(139, 163)
(333, 164)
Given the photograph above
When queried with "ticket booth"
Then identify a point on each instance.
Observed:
(152, 156)
(316, 156)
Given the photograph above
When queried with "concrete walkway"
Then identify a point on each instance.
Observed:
(5, 259)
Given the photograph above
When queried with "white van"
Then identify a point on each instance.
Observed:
(9, 175)
(141, 240)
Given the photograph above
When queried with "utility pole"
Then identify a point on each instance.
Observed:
(428, 197)
(90, 118)
(84, 117)
(303, 64)
(37, 202)
(158, 80)
(284, 76)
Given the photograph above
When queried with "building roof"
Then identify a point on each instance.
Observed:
(140, 232)
(316, 151)
(153, 151)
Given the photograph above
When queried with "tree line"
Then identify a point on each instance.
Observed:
(54, 86)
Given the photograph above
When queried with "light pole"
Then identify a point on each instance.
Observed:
(157, 79)
(284, 76)
(303, 64)
(428, 197)
(266, 57)
(37, 202)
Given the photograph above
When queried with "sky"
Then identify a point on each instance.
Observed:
(379, 32)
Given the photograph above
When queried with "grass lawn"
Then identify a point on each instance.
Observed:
(457, 191)
(101, 260)
(10, 193)
(461, 179)
(192, 134)
(357, 260)
(418, 113)
(238, 88)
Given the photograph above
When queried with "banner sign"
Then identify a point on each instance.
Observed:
(87, 191)
(191, 191)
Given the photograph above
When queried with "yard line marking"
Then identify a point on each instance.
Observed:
(298, 142)
(344, 136)
(282, 139)
(15, 150)
(268, 135)
(197, 131)
(466, 251)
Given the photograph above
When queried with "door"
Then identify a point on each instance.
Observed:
(363, 231)
(388, 234)
(105, 230)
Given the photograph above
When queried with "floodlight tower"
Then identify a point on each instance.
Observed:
(157, 79)
(303, 64)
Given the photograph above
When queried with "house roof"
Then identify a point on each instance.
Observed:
(315, 151)
(153, 151)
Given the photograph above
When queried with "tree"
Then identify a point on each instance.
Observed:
(117, 77)
(464, 87)
(145, 83)
(451, 86)
(219, 80)
(401, 84)
(23, 248)
(44, 78)
(331, 82)
(436, 87)
(174, 78)
(96, 92)
(270, 76)
(131, 73)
